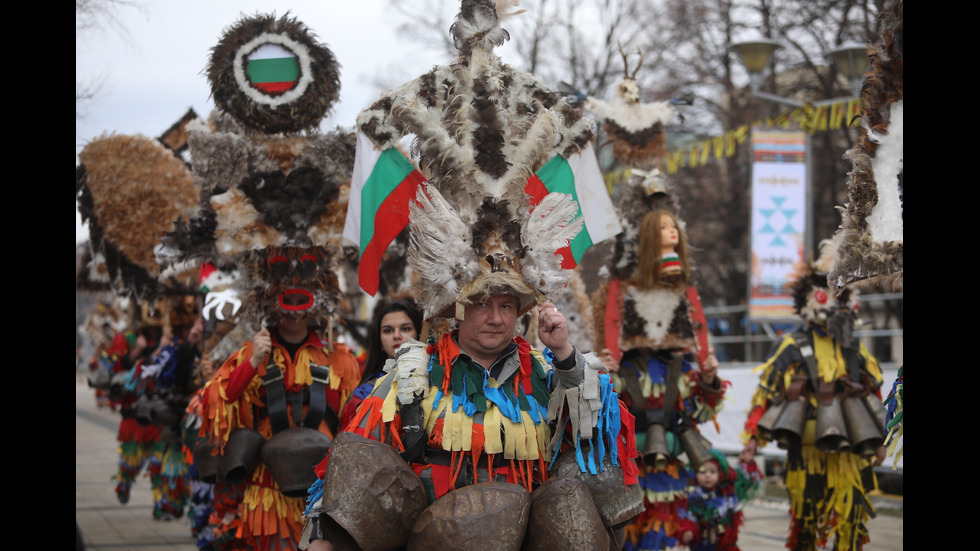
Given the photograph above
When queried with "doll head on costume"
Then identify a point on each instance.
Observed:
(661, 251)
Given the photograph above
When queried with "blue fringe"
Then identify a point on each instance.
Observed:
(315, 492)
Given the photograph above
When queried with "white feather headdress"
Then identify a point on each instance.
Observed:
(481, 130)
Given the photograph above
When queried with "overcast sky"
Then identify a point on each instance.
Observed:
(151, 72)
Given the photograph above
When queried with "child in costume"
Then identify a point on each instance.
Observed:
(716, 500)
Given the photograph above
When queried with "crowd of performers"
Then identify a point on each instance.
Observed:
(475, 414)
(172, 388)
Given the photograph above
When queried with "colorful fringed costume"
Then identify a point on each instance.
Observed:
(665, 489)
(135, 440)
(236, 397)
(895, 418)
(652, 329)
(464, 395)
(827, 491)
(200, 503)
(150, 432)
(717, 510)
(163, 380)
(214, 508)
(522, 395)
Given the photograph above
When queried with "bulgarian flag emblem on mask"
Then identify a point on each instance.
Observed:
(272, 69)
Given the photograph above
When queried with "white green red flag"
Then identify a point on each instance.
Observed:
(382, 185)
(579, 175)
(272, 69)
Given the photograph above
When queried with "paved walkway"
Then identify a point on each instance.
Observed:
(107, 525)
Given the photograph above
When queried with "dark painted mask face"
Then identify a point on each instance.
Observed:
(821, 306)
(293, 274)
(299, 282)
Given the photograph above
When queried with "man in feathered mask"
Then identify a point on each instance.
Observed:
(819, 399)
(477, 415)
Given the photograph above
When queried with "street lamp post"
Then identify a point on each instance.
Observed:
(850, 59)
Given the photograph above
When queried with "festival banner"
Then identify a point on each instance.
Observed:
(779, 211)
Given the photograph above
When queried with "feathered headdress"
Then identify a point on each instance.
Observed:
(870, 238)
(274, 192)
(482, 130)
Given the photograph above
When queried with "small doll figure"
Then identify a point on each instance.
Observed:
(661, 255)
(716, 501)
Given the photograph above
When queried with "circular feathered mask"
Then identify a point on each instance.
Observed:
(272, 75)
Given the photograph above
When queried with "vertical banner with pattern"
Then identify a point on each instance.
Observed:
(779, 212)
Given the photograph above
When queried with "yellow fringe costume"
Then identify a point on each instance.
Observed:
(827, 491)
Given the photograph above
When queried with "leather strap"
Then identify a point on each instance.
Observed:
(275, 397)
(318, 398)
(414, 436)
(673, 376)
(805, 345)
(631, 381)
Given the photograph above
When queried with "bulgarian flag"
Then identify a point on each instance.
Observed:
(272, 69)
(579, 175)
(383, 183)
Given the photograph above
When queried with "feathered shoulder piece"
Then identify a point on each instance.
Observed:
(870, 238)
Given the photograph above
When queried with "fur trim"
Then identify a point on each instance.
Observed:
(303, 105)
(870, 240)
(657, 319)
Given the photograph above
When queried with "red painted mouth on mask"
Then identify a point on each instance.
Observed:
(305, 302)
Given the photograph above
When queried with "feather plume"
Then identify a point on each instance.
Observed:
(481, 129)
(130, 190)
(870, 238)
(441, 249)
(547, 229)
(551, 225)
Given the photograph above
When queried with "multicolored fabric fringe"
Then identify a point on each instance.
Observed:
(895, 418)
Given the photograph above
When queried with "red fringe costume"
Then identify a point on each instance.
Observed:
(235, 397)
(460, 390)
